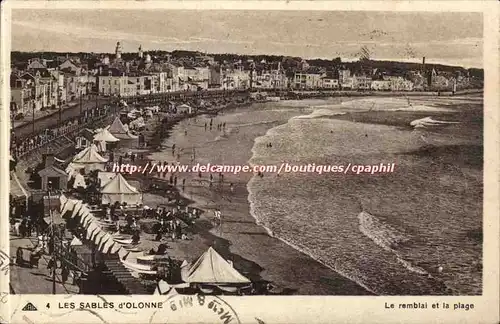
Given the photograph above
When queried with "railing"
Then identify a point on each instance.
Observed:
(62, 132)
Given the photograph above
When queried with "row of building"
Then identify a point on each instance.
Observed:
(43, 83)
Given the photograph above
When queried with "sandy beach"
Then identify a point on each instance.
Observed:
(252, 250)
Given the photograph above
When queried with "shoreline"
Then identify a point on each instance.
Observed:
(242, 236)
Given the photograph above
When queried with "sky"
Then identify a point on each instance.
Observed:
(448, 38)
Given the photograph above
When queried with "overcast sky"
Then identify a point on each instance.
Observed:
(450, 38)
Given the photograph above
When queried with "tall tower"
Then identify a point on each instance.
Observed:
(118, 50)
(140, 52)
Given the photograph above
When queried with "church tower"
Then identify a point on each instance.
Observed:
(140, 52)
(118, 50)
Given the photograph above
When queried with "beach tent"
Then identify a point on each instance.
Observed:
(118, 189)
(105, 136)
(75, 241)
(72, 170)
(79, 181)
(68, 206)
(89, 159)
(105, 177)
(163, 288)
(16, 188)
(119, 130)
(117, 127)
(185, 108)
(62, 200)
(211, 268)
(138, 123)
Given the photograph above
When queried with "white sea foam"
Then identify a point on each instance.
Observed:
(387, 237)
(392, 104)
(429, 122)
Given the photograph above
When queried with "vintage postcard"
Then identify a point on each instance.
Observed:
(249, 162)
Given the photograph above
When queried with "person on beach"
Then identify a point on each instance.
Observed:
(224, 125)
(51, 266)
(205, 126)
(231, 187)
(64, 274)
(175, 181)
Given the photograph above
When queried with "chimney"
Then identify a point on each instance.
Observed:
(423, 61)
(48, 160)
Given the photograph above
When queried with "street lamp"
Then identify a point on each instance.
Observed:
(33, 116)
(60, 105)
(49, 187)
(81, 105)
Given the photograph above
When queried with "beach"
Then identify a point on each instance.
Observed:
(337, 234)
(239, 238)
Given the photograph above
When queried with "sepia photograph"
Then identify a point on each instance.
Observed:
(246, 153)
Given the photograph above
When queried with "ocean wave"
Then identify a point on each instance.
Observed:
(320, 113)
(429, 122)
(392, 104)
(295, 246)
(387, 237)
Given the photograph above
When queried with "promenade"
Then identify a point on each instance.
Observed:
(25, 127)
(24, 280)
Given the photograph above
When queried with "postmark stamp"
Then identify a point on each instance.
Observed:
(213, 309)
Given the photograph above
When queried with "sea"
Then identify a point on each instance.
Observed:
(415, 231)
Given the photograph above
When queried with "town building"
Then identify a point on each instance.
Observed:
(307, 80)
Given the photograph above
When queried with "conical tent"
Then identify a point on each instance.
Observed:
(75, 241)
(120, 131)
(163, 288)
(211, 268)
(90, 159)
(118, 189)
(117, 127)
(105, 136)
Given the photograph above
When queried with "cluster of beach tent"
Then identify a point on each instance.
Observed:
(114, 187)
(208, 271)
(95, 232)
